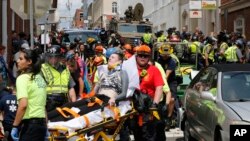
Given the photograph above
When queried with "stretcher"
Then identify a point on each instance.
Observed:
(94, 123)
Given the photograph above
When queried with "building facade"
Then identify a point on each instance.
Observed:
(14, 17)
(175, 13)
(235, 15)
(78, 21)
(102, 11)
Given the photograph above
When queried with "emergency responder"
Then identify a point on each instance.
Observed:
(208, 51)
(162, 37)
(128, 52)
(151, 83)
(170, 65)
(60, 85)
(148, 38)
(194, 49)
(99, 52)
(233, 54)
(248, 52)
(222, 40)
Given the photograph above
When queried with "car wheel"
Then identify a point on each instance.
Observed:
(187, 135)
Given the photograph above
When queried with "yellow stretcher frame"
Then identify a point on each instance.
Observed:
(55, 134)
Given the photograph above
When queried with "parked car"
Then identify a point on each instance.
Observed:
(217, 97)
(71, 34)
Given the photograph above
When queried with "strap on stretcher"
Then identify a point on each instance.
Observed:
(71, 112)
(96, 100)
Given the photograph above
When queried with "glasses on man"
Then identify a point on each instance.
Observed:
(142, 56)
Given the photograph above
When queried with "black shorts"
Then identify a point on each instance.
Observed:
(173, 89)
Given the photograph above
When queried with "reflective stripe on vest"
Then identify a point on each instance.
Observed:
(57, 82)
(231, 54)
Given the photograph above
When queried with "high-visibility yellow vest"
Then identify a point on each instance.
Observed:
(56, 82)
(231, 55)
(194, 47)
(162, 38)
(147, 38)
(211, 53)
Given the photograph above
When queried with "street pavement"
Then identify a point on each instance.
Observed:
(175, 135)
(172, 135)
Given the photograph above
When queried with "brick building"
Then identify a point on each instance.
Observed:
(10, 20)
(235, 16)
(79, 19)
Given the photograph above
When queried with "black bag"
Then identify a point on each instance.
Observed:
(179, 79)
(142, 101)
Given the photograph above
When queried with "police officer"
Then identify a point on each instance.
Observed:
(233, 54)
(148, 38)
(194, 49)
(60, 85)
(208, 51)
(248, 52)
(222, 40)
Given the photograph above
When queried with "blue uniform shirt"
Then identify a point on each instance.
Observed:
(8, 105)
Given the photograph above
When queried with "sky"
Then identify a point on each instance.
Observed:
(63, 11)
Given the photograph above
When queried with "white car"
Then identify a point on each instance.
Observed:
(218, 96)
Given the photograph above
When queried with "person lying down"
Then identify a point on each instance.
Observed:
(91, 118)
(111, 87)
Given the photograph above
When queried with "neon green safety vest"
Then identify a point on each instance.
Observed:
(57, 82)
(147, 38)
(162, 38)
(223, 46)
(231, 55)
(194, 46)
(211, 52)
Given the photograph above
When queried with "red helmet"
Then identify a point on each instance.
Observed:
(99, 49)
(127, 47)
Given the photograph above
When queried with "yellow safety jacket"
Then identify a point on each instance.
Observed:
(56, 82)
(194, 47)
(162, 38)
(147, 38)
(211, 52)
(223, 46)
(231, 55)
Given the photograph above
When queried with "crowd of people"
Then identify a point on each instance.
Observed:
(66, 74)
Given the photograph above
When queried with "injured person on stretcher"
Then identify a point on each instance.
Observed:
(111, 87)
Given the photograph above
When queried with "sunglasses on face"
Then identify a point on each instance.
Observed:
(142, 56)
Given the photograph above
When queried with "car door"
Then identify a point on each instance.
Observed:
(207, 108)
(195, 115)
(193, 101)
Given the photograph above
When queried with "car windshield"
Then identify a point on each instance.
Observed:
(134, 28)
(82, 35)
(236, 86)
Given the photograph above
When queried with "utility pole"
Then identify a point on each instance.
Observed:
(31, 24)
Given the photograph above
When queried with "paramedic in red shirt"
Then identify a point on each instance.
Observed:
(151, 83)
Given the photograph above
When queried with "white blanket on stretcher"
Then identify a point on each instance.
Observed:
(94, 117)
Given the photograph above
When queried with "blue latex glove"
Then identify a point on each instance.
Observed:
(14, 134)
(47, 135)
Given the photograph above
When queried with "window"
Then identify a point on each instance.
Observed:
(114, 7)
(239, 25)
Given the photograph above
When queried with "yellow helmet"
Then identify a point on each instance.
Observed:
(90, 40)
(166, 49)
